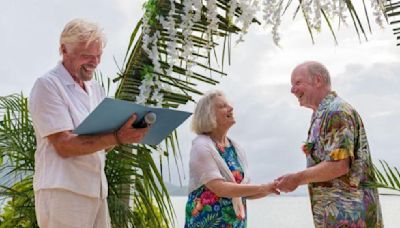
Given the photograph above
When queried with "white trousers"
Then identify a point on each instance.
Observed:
(58, 208)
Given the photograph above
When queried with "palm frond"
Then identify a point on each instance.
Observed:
(133, 176)
(17, 139)
(17, 148)
(386, 177)
(182, 84)
(392, 11)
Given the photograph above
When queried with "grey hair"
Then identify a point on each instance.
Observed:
(204, 119)
(316, 68)
(80, 30)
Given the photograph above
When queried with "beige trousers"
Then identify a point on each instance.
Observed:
(58, 208)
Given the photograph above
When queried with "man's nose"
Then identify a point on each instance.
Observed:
(293, 89)
(95, 60)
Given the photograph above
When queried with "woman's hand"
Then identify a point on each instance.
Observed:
(230, 189)
(270, 188)
(265, 190)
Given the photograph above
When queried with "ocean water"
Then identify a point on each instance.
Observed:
(291, 211)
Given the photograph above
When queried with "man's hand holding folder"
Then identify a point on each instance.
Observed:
(118, 116)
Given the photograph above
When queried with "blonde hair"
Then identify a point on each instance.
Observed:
(80, 30)
(204, 119)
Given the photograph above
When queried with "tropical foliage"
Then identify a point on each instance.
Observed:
(387, 177)
(392, 10)
(17, 147)
(172, 51)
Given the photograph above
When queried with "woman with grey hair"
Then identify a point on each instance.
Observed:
(219, 183)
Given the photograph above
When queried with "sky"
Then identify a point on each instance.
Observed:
(270, 124)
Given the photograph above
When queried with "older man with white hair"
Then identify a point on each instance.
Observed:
(338, 157)
(69, 181)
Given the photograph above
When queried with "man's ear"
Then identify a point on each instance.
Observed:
(63, 49)
(319, 80)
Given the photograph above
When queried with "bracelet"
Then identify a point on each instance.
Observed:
(117, 138)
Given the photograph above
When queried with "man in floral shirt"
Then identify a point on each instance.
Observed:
(338, 158)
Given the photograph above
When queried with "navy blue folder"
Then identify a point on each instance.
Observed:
(111, 114)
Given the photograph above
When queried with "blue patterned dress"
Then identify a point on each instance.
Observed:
(205, 209)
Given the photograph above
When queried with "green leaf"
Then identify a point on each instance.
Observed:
(207, 208)
(389, 178)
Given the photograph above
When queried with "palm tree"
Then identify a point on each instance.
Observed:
(172, 50)
(17, 147)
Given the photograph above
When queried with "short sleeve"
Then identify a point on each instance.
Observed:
(203, 168)
(339, 136)
(50, 113)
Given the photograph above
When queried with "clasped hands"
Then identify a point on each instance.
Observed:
(287, 183)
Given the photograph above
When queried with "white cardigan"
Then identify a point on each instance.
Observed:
(206, 164)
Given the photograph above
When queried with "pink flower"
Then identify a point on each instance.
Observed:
(208, 197)
(343, 223)
(238, 176)
(221, 148)
(346, 223)
(360, 224)
(307, 147)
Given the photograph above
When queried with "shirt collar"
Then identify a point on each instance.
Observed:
(324, 104)
(66, 77)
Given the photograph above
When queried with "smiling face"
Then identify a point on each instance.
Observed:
(81, 59)
(223, 113)
(305, 88)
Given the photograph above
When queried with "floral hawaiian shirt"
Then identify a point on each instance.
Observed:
(337, 132)
(204, 209)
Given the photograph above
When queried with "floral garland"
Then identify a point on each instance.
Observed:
(212, 20)
(148, 72)
(272, 16)
(192, 12)
(377, 5)
(188, 19)
(249, 10)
